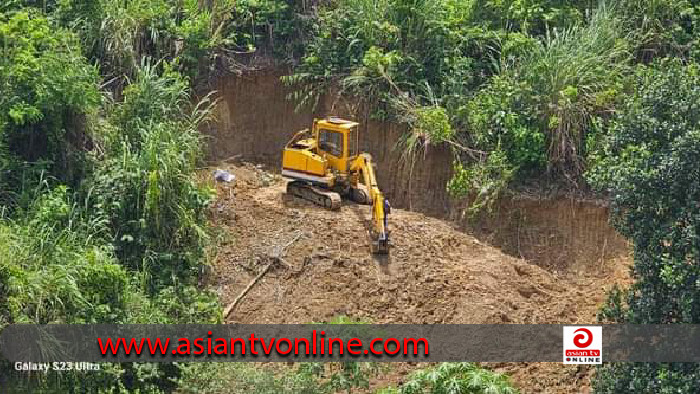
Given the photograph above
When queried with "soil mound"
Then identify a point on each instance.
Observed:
(434, 273)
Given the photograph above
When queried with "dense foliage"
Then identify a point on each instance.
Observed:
(648, 163)
(448, 378)
(47, 88)
(320, 378)
(143, 182)
(101, 219)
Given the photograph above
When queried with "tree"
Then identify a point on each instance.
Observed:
(47, 88)
(648, 165)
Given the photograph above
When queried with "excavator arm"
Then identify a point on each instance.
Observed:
(380, 206)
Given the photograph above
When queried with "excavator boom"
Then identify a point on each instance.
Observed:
(380, 206)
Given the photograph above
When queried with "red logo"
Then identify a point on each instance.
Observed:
(583, 340)
(583, 344)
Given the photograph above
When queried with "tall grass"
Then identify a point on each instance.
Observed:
(541, 110)
(447, 378)
(56, 267)
(660, 27)
(576, 75)
(144, 182)
(127, 246)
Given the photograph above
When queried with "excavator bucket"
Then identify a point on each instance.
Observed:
(380, 243)
(380, 246)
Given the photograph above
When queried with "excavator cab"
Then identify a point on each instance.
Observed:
(322, 156)
(335, 138)
(325, 163)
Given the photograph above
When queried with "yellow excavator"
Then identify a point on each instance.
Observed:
(324, 164)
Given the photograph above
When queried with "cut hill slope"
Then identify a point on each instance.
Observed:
(434, 274)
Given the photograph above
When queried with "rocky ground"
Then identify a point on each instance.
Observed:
(434, 273)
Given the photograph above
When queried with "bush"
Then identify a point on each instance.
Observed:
(120, 35)
(648, 165)
(428, 43)
(144, 183)
(541, 111)
(268, 24)
(503, 115)
(61, 258)
(47, 88)
(101, 220)
(533, 17)
(54, 269)
(243, 378)
(661, 27)
(483, 182)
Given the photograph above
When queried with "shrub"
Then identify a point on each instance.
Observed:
(47, 88)
(661, 27)
(428, 43)
(482, 182)
(533, 17)
(455, 378)
(85, 254)
(541, 111)
(502, 115)
(648, 165)
(55, 269)
(144, 183)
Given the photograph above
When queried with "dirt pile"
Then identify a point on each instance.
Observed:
(434, 274)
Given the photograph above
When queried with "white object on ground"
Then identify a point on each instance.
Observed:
(224, 176)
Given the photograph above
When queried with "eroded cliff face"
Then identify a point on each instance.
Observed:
(255, 120)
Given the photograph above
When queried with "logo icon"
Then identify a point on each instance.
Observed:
(583, 345)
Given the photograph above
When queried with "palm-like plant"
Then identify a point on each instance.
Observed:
(457, 378)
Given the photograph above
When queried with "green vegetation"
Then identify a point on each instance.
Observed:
(101, 219)
(648, 163)
(455, 378)
(145, 177)
(48, 88)
(320, 378)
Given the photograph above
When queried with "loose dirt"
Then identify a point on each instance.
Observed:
(434, 274)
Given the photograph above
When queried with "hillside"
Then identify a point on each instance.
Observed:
(434, 274)
(539, 148)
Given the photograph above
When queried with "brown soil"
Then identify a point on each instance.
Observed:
(553, 230)
(435, 273)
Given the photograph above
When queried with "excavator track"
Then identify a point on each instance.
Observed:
(327, 199)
